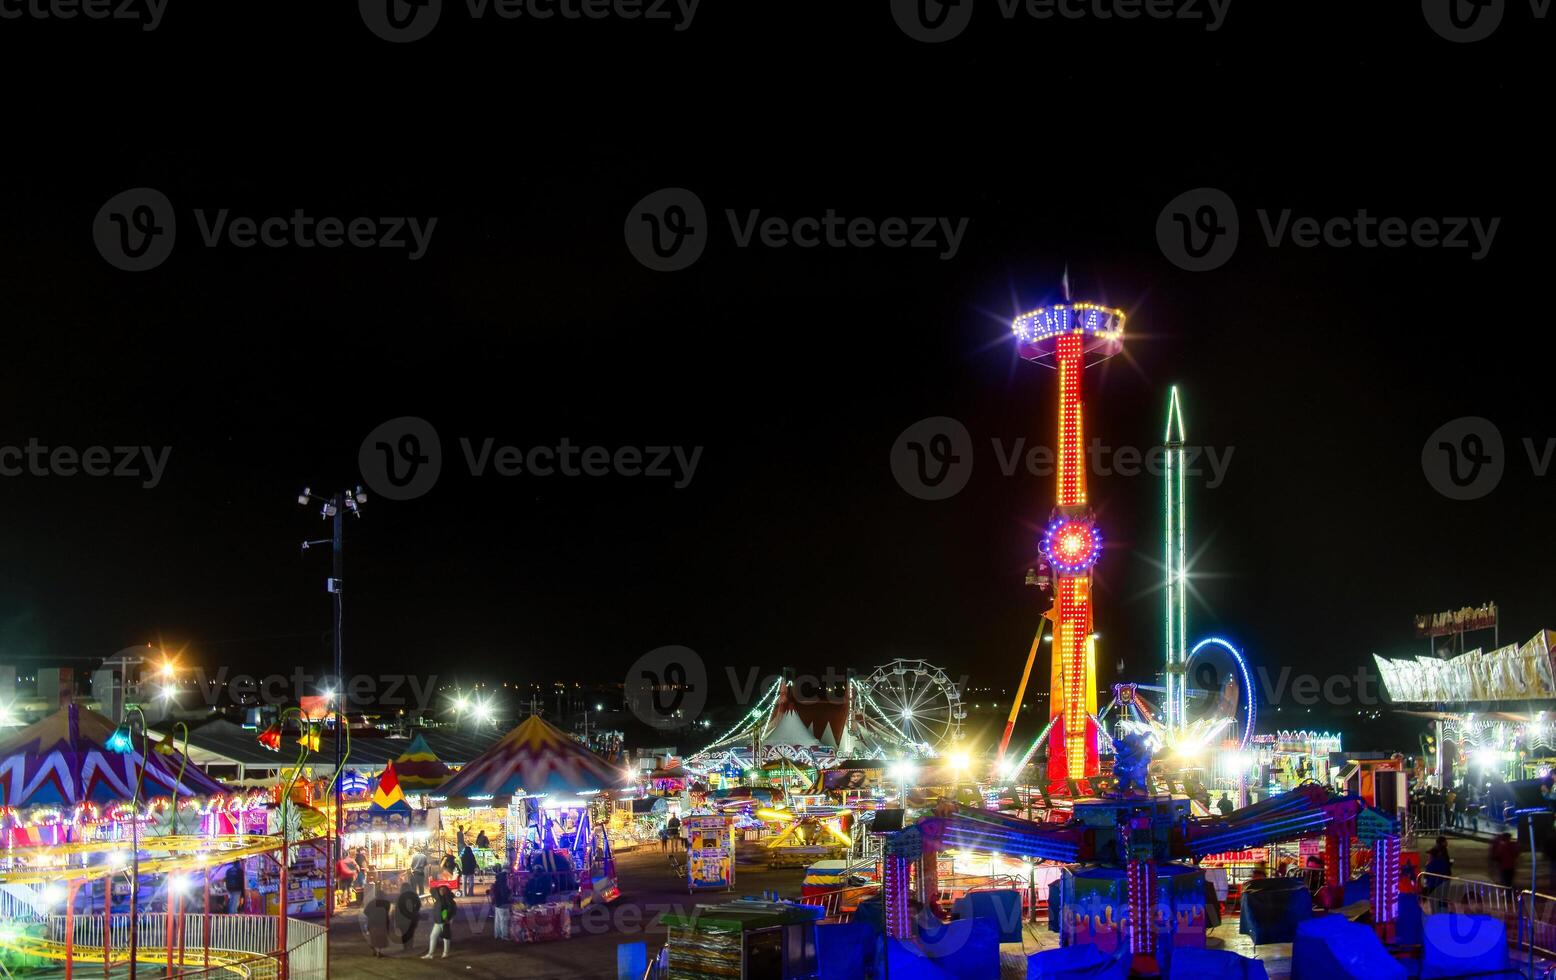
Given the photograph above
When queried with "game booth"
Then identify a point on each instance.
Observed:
(548, 789)
(390, 831)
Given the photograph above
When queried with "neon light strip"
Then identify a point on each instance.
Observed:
(1072, 458)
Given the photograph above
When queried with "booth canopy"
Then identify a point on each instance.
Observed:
(64, 759)
(535, 759)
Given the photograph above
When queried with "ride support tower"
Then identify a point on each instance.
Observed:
(1071, 337)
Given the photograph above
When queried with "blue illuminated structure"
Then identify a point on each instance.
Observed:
(1246, 678)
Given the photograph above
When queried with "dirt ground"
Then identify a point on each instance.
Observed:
(650, 886)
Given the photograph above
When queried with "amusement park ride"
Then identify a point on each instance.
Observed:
(1132, 882)
(1070, 337)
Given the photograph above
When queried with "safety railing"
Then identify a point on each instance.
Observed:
(1527, 916)
(243, 944)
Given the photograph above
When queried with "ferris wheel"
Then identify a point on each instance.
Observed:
(1223, 689)
(919, 701)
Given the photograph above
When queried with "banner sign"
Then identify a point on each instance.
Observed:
(1459, 621)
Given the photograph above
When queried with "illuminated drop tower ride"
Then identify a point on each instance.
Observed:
(1071, 337)
(1176, 569)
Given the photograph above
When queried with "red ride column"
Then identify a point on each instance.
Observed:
(1072, 745)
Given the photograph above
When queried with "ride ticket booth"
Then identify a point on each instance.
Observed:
(710, 851)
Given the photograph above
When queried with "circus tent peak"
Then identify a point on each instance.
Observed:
(821, 721)
(418, 767)
(536, 758)
(63, 759)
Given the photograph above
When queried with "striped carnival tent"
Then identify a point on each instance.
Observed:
(537, 758)
(64, 759)
(419, 769)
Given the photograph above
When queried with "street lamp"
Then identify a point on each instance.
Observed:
(122, 741)
(333, 509)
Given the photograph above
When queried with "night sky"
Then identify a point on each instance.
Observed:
(1323, 370)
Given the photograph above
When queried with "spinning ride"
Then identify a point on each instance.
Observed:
(1070, 337)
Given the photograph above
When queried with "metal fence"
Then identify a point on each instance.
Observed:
(1525, 915)
(252, 937)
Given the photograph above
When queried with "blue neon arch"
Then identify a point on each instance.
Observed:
(1242, 666)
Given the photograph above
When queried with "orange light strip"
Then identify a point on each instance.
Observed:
(1072, 453)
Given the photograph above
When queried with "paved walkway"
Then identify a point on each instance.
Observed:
(650, 886)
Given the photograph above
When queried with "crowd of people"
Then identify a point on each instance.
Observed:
(386, 921)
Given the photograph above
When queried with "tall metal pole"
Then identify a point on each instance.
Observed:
(337, 571)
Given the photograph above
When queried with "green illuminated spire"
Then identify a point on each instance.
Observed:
(1176, 565)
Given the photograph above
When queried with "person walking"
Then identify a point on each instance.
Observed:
(1439, 865)
(375, 920)
(361, 859)
(407, 915)
(673, 826)
(1504, 857)
(237, 887)
(467, 871)
(1449, 813)
(501, 897)
(442, 921)
(664, 840)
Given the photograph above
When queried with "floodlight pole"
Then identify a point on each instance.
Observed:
(335, 508)
(337, 571)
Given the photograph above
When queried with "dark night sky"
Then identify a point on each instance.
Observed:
(529, 321)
